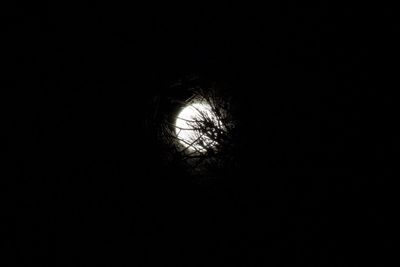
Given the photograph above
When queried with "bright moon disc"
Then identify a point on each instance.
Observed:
(187, 123)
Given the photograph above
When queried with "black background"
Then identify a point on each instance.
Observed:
(86, 183)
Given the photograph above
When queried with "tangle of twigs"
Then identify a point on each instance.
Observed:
(211, 147)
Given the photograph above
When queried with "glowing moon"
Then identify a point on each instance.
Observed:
(187, 126)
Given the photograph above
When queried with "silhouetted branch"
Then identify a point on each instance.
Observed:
(211, 133)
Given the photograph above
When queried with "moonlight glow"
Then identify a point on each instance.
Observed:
(187, 126)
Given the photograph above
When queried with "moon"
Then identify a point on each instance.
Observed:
(188, 135)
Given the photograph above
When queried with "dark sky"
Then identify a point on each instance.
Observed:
(314, 84)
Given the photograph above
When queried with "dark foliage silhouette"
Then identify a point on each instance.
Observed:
(211, 148)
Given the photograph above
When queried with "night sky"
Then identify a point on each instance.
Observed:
(87, 183)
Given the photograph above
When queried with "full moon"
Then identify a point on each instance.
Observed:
(187, 126)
